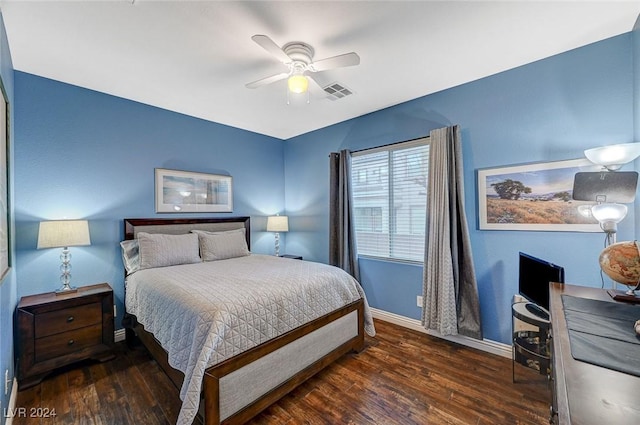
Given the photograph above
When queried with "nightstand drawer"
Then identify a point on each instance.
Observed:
(67, 342)
(68, 319)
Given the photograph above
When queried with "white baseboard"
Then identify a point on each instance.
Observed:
(12, 402)
(119, 335)
(487, 345)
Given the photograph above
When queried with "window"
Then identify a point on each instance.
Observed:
(368, 219)
(390, 200)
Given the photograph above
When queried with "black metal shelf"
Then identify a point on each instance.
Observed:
(531, 348)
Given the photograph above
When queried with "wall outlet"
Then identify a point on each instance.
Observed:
(115, 312)
(419, 301)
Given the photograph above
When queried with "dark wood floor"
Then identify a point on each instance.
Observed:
(402, 377)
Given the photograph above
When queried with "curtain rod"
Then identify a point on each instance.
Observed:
(388, 144)
(391, 144)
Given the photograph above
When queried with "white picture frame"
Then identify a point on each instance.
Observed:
(547, 206)
(179, 191)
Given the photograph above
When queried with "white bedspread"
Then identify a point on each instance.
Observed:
(207, 312)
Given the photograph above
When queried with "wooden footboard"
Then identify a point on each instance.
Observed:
(217, 374)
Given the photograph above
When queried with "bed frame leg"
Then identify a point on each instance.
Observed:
(130, 337)
(211, 390)
(358, 347)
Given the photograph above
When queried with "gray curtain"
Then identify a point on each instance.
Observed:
(451, 304)
(342, 236)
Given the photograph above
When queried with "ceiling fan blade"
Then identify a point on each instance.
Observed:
(267, 80)
(340, 61)
(270, 46)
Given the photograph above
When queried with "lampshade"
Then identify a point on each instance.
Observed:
(63, 233)
(298, 83)
(613, 157)
(278, 223)
(609, 215)
(585, 211)
(609, 212)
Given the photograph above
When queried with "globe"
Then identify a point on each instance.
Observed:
(621, 262)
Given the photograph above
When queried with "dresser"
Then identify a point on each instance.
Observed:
(583, 393)
(54, 330)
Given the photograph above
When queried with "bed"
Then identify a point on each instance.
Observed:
(236, 349)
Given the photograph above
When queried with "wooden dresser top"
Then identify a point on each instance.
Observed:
(586, 393)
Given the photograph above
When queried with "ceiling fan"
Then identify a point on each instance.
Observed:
(298, 57)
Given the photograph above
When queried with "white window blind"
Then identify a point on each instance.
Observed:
(390, 202)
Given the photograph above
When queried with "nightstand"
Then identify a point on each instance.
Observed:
(295, 257)
(57, 330)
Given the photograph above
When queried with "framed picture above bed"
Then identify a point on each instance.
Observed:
(187, 192)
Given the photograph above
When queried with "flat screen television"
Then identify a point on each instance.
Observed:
(533, 281)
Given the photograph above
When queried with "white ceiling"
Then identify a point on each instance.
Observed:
(195, 57)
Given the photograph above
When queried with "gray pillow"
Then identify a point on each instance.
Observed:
(130, 255)
(160, 250)
(222, 245)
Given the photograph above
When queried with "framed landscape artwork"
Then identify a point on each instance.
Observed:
(533, 197)
(186, 191)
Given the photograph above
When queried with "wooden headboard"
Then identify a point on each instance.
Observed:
(178, 226)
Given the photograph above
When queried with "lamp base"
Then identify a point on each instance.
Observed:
(623, 296)
(66, 289)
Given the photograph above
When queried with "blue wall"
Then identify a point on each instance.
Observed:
(8, 295)
(549, 110)
(84, 154)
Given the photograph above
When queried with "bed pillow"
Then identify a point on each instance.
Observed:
(160, 250)
(130, 255)
(222, 245)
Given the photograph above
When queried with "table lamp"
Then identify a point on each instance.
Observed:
(277, 224)
(63, 234)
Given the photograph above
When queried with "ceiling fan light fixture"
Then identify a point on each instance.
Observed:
(298, 57)
(298, 83)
